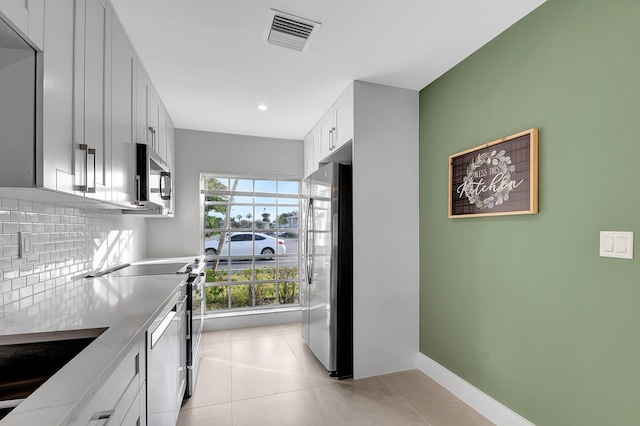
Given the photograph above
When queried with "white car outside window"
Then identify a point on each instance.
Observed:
(242, 244)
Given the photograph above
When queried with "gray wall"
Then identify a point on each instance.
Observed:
(385, 229)
(197, 152)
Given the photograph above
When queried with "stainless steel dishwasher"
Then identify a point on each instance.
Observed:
(166, 363)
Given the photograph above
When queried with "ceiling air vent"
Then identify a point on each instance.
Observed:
(290, 31)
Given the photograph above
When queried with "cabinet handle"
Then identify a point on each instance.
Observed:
(77, 172)
(87, 152)
(333, 138)
(138, 200)
(189, 325)
(153, 138)
(102, 415)
(91, 152)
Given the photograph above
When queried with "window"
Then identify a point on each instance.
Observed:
(250, 229)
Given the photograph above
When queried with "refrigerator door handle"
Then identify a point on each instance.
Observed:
(309, 233)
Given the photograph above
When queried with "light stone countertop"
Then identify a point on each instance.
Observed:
(126, 306)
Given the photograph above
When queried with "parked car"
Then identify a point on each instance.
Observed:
(244, 243)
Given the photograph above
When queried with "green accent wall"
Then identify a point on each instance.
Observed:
(523, 307)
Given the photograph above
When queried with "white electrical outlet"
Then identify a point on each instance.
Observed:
(25, 244)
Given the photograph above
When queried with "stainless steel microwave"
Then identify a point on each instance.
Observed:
(153, 182)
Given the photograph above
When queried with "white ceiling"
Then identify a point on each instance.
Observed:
(211, 67)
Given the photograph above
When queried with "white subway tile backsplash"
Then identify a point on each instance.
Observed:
(34, 280)
(9, 204)
(26, 270)
(17, 216)
(25, 206)
(10, 251)
(11, 273)
(9, 227)
(16, 261)
(66, 244)
(11, 296)
(18, 283)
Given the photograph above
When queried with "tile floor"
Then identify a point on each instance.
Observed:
(267, 376)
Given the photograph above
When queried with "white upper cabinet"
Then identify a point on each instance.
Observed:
(96, 102)
(58, 67)
(335, 128)
(343, 118)
(327, 128)
(311, 151)
(152, 118)
(27, 16)
(123, 80)
(92, 147)
(163, 118)
(143, 134)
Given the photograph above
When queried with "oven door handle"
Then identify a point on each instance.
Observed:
(189, 325)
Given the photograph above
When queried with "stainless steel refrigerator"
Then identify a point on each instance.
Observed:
(327, 290)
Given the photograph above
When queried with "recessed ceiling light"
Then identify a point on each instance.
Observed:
(263, 107)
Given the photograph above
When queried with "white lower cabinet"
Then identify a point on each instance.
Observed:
(117, 401)
(166, 362)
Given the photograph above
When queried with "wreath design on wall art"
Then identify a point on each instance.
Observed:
(500, 194)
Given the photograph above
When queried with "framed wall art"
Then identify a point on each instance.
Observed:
(497, 178)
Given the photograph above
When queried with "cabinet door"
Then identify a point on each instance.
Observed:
(58, 66)
(122, 108)
(170, 144)
(308, 154)
(327, 134)
(311, 152)
(17, 11)
(344, 118)
(154, 119)
(36, 22)
(162, 131)
(142, 106)
(92, 37)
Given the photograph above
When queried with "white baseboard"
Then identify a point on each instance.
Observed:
(472, 396)
(255, 318)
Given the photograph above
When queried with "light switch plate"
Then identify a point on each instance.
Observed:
(616, 244)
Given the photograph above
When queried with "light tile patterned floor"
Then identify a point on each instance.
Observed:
(267, 376)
